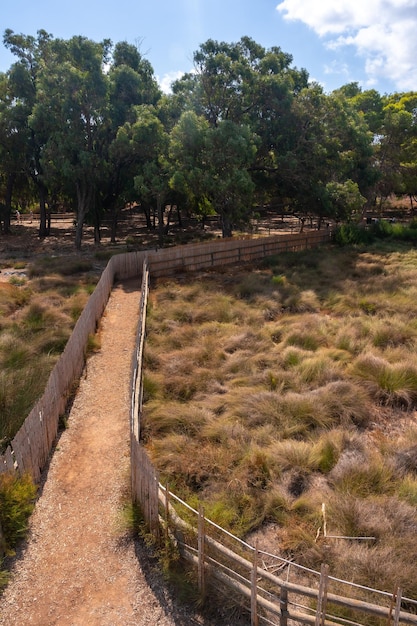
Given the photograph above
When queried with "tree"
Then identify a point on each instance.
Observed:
(151, 174)
(12, 145)
(251, 86)
(71, 108)
(22, 89)
(211, 163)
(131, 86)
(396, 146)
(330, 143)
(343, 200)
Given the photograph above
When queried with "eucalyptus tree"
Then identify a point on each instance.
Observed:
(210, 165)
(131, 86)
(152, 174)
(28, 143)
(251, 86)
(12, 146)
(368, 102)
(396, 146)
(332, 145)
(71, 108)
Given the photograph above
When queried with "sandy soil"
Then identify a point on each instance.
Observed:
(80, 566)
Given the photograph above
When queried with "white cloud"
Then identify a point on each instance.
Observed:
(381, 31)
(167, 79)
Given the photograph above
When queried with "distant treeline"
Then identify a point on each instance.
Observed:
(84, 124)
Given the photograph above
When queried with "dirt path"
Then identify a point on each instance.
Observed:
(79, 566)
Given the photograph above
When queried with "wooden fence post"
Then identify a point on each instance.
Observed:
(254, 589)
(166, 514)
(201, 552)
(397, 606)
(2, 543)
(322, 596)
(283, 601)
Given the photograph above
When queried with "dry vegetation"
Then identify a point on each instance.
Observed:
(274, 390)
(40, 301)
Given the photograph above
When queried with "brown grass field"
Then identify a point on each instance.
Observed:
(274, 390)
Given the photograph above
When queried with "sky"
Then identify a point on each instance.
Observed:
(371, 42)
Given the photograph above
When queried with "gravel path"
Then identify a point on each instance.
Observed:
(80, 566)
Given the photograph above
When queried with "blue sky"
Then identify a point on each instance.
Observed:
(371, 42)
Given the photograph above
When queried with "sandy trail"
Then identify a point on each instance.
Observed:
(80, 566)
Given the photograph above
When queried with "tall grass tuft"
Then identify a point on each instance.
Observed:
(351, 476)
(389, 383)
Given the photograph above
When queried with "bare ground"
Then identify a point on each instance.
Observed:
(80, 566)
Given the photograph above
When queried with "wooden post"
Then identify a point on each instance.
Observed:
(283, 601)
(322, 597)
(166, 514)
(254, 589)
(397, 606)
(201, 552)
(2, 543)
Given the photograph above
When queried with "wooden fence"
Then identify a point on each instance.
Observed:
(29, 450)
(220, 252)
(267, 586)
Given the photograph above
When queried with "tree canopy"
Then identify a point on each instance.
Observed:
(86, 122)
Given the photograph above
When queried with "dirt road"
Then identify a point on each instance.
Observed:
(80, 566)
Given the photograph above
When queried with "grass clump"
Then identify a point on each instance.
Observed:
(354, 477)
(388, 382)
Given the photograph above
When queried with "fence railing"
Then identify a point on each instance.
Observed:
(217, 253)
(266, 585)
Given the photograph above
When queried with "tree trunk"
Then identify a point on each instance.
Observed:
(179, 217)
(8, 202)
(147, 212)
(160, 219)
(166, 229)
(44, 220)
(84, 197)
(113, 224)
(226, 226)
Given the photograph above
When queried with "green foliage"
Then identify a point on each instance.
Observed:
(17, 496)
(93, 344)
(352, 234)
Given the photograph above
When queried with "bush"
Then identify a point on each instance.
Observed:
(350, 234)
(17, 497)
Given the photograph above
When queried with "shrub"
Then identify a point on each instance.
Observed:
(348, 234)
(17, 497)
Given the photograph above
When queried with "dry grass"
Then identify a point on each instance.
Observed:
(270, 392)
(37, 314)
